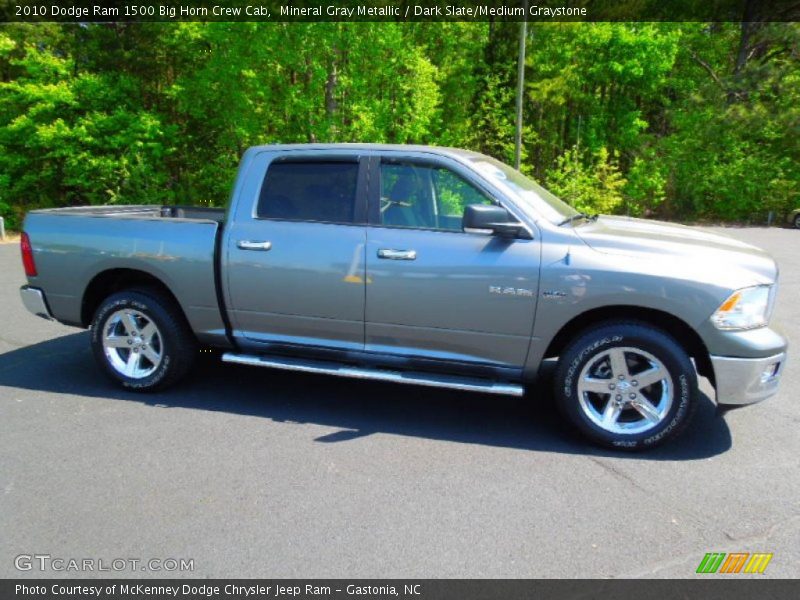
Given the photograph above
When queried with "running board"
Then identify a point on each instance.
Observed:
(453, 382)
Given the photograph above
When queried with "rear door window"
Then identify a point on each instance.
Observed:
(323, 191)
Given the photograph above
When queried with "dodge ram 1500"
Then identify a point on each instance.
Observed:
(419, 265)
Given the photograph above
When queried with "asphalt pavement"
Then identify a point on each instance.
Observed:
(257, 473)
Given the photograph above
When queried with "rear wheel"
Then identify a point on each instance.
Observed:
(141, 340)
(797, 221)
(626, 385)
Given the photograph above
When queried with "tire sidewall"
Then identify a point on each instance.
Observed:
(673, 358)
(150, 308)
(796, 222)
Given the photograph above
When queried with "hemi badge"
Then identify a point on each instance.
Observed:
(554, 294)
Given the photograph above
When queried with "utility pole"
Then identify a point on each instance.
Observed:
(523, 33)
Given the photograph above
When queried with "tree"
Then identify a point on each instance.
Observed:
(674, 120)
(593, 188)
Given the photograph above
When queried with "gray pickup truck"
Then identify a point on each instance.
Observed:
(418, 265)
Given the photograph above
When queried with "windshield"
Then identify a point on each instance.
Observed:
(531, 194)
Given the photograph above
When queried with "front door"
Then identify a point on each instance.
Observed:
(435, 291)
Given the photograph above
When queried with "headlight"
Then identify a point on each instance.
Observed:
(747, 308)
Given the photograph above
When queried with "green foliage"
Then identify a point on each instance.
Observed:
(73, 138)
(675, 120)
(592, 84)
(493, 123)
(734, 149)
(593, 188)
(645, 190)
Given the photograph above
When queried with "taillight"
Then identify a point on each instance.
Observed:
(27, 255)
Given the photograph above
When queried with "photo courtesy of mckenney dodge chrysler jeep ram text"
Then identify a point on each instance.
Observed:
(419, 265)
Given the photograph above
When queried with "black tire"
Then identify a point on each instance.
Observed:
(797, 222)
(176, 342)
(592, 346)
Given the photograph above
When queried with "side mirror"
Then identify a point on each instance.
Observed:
(494, 219)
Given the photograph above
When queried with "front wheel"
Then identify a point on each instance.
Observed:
(141, 340)
(797, 221)
(626, 385)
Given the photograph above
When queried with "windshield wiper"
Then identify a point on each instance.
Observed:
(578, 216)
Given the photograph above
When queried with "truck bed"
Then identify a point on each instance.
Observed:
(176, 245)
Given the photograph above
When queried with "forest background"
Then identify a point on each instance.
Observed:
(679, 121)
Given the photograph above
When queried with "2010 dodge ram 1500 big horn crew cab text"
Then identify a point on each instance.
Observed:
(420, 265)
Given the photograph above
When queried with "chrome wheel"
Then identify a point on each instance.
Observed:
(625, 390)
(132, 343)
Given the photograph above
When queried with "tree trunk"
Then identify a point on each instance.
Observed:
(748, 27)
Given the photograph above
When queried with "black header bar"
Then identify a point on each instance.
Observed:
(82, 11)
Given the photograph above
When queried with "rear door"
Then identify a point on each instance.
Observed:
(433, 290)
(295, 262)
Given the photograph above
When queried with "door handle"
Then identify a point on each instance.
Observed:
(249, 245)
(390, 254)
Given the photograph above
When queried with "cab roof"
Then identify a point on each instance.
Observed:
(441, 150)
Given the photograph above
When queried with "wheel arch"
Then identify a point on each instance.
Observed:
(115, 280)
(683, 333)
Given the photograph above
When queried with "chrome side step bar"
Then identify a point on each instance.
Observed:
(453, 382)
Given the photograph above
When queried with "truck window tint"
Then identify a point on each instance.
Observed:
(309, 191)
(425, 196)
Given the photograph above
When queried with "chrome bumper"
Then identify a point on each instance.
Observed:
(747, 380)
(34, 301)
